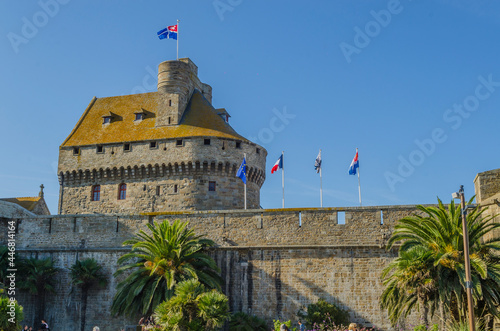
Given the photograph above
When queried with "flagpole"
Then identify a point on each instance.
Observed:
(178, 40)
(283, 175)
(245, 171)
(359, 183)
(320, 183)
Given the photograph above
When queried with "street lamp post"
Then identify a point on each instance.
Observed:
(468, 281)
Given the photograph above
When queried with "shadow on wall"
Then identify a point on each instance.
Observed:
(276, 283)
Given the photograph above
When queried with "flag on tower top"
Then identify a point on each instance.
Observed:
(169, 33)
(278, 165)
(354, 164)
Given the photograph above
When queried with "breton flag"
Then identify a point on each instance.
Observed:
(278, 165)
(354, 164)
(242, 171)
(317, 163)
(169, 33)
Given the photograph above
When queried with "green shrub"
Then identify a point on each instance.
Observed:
(321, 311)
(241, 321)
(422, 327)
(10, 322)
(277, 325)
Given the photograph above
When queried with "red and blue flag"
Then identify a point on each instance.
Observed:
(354, 164)
(278, 165)
(169, 33)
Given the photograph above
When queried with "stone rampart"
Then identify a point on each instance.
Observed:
(273, 261)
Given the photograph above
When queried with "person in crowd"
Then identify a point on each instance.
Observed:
(44, 325)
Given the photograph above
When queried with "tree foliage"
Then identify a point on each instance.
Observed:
(317, 312)
(430, 269)
(241, 321)
(158, 260)
(193, 308)
(85, 274)
(36, 276)
(11, 314)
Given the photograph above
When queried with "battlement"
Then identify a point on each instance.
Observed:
(364, 226)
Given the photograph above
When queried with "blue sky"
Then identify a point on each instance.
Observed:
(415, 85)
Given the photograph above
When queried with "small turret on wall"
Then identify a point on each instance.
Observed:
(177, 81)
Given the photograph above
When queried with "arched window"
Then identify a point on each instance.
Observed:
(96, 192)
(122, 192)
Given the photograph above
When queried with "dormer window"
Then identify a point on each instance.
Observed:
(222, 112)
(140, 115)
(109, 117)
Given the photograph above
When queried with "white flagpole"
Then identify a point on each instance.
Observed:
(359, 183)
(245, 171)
(283, 175)
(321, 181)
(178, 40)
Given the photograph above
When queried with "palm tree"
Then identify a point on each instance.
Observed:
(193, 308)
(36, 276)
(159, 260)
(438, 230)
(410, 280)
(85, 274)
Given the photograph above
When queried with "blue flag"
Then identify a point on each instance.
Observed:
(169, 33)
(242, 171)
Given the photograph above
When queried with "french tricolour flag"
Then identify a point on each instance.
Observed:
(278, 165)
(354, 164)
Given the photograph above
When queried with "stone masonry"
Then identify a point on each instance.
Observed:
(170, 150)
(273, 261)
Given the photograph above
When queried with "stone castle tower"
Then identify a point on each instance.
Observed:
(160, 151)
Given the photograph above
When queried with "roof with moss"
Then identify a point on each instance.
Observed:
(199, 120)
(28, 203)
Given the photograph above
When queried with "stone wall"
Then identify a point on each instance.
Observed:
(487, 188)
(273, 261)
(190, 167)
